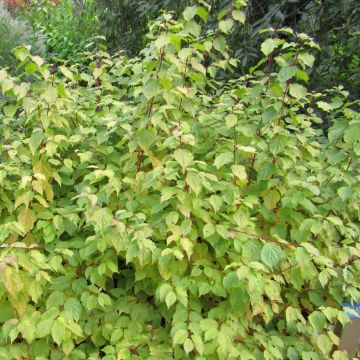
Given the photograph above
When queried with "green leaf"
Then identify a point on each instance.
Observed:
(188, 345)
(340, 355)
(162, 41)
(324, 106)
(239, 16)
(41, 349)
(193, 28)
(226, 25)
(35, 140)
(104, 300)
(219, 43)
(28, 104)
(317, 320)
(7, 311)
(28, 330)
(31, 68)
(345, 193)
(116, 336)
(58, 332)
(146, 137)
(277, 144)
(223, 159)
(50, 95)
(189, 12)
(231, 281)
(202, 13)
(172, 218)
(297, 91)
(269, 45)
(44, 328)
(352, 133)
(198, 343)
(75, 329)
(187, 245)
(179, 337)
(73, 307)
(10, 110)
(252, 250)
(271, 254)
(151, 88)
(269, 115)
(307, 59)
(183, 157)
(208, 230)
(337, 130)
(287, 72)
(170, 299)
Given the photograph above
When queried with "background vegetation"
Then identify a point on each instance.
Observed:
(72, 25)
(15, 32)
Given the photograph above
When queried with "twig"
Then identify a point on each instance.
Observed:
(265, 238)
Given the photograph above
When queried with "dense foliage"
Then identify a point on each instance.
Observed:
(14, 32)
(69, 26)
(162, 207)
(336, 28)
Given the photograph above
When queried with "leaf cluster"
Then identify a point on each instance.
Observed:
(152, 208)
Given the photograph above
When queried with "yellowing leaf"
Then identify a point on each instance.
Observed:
(75, 329)
(103, 218)
(66, 72)
(231, 120)
(226, 25)
(188, 246)
(170, 299)
(324, 343)
(271, 199)
(239, 171)
(27, 219)
(195, 182)
(239, 16)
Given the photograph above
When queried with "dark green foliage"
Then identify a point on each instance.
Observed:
(69, 27)
(125, 22)
(334, 26)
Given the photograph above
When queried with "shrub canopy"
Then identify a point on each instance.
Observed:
(161, 208)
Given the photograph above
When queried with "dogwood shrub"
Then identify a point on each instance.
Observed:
(162, 207)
